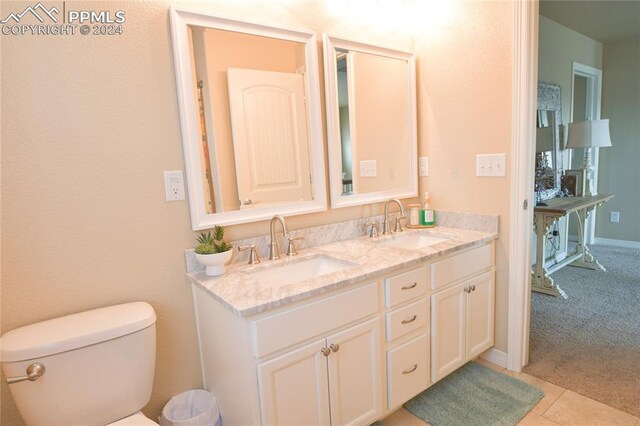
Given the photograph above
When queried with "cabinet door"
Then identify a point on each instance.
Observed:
(480, 314)
(447, 331)
(294, 389)
(355, 379)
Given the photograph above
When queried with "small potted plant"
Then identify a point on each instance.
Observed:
(213, 252)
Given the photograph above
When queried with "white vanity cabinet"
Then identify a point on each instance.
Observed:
(334, 380)
(462, 306)
(352, 355)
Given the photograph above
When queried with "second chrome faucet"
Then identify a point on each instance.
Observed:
(274, 250)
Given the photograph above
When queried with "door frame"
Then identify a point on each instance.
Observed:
(524, 101)
(594, 102)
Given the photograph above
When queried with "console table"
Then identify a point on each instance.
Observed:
(544, 217)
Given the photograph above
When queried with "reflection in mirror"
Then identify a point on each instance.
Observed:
(548, 167)
(250, 118)
(251, 97)
(371, 122)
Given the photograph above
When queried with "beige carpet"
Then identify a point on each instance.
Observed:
(590, 343)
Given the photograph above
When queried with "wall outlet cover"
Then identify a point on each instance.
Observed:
(614, 217)
(174, 185)
(423, 166)
(368, 168)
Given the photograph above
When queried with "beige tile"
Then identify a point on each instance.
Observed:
(402, 417)
(574, 409)
(491, 365)
(535, 419)
(551, 391)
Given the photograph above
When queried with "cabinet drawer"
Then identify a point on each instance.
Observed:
(408, 285)
(407, 319)
(287, 328)
(407, 371)
(461, 266)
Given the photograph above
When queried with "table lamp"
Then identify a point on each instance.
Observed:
(589, 134)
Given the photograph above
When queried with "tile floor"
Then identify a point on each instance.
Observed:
(559, 406)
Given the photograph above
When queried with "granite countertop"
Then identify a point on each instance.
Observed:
(245, 296)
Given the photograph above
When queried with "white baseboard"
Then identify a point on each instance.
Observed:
(617, 243)
(495, 356)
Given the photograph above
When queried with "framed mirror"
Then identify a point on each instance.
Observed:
(251, 121)
(371, 122)
(548, 168)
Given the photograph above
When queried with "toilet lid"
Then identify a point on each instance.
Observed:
(138, 419)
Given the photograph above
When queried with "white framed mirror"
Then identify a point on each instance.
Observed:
(371, 122)
(250, 115)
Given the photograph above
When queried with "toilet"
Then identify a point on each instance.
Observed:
(98, 367)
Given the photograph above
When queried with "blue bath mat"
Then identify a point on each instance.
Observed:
(475, 395)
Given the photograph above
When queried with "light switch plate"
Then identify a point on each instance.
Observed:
(423, 166)
(614, 217)
(368, 168)
(174, 185)
(490, 164)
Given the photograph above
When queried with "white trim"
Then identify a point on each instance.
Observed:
(617, 243)
(524, 83)
(180, 19)
(333, 123)
(593, 108)
(495, 356)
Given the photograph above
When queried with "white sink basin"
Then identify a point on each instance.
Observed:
(415, 241)
(290, 273)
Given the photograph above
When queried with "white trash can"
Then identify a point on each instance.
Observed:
(191, 408)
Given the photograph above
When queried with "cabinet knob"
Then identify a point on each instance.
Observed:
(466, 289)
(325, 351)
(473, 288)
(335, 347)
(411, 369)
(412, 319)
(409, 287)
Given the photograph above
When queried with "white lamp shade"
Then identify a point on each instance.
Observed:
(544, 139)
(589, 134)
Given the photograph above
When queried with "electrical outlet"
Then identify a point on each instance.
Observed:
(173, 185)
(368, 168)
(614, 217)
(490, 164)
(423, 166)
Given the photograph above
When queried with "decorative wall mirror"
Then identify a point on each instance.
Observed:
(250, 115)
(548, 159)
(371, 122)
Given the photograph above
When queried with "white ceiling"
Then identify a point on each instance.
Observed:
(603, 20)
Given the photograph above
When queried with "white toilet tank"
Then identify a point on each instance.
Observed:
(99, 365)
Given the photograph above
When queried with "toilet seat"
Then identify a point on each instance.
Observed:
(137, 419)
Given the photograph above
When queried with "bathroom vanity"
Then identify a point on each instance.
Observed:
(345, 333)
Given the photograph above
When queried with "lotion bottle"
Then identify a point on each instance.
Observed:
(427, 216)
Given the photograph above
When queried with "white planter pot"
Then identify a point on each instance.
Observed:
(215, 263)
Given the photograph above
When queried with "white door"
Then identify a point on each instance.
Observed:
(293, 388)
(355, 376)
(480, 314)
(270, 136)
(447, 331)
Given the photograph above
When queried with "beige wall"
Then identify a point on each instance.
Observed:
(464, 109)
(89, 124)
(619, 173)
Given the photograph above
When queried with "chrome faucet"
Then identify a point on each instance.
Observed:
(274, 250)
(386, 227)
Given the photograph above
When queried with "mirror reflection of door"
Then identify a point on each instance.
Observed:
(269, 136)
(259, 156)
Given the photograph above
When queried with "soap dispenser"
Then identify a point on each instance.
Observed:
(428, 216)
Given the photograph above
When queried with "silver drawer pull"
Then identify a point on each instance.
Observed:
(409, 287)
(407, 321)
(34, 371)
(410, 370)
